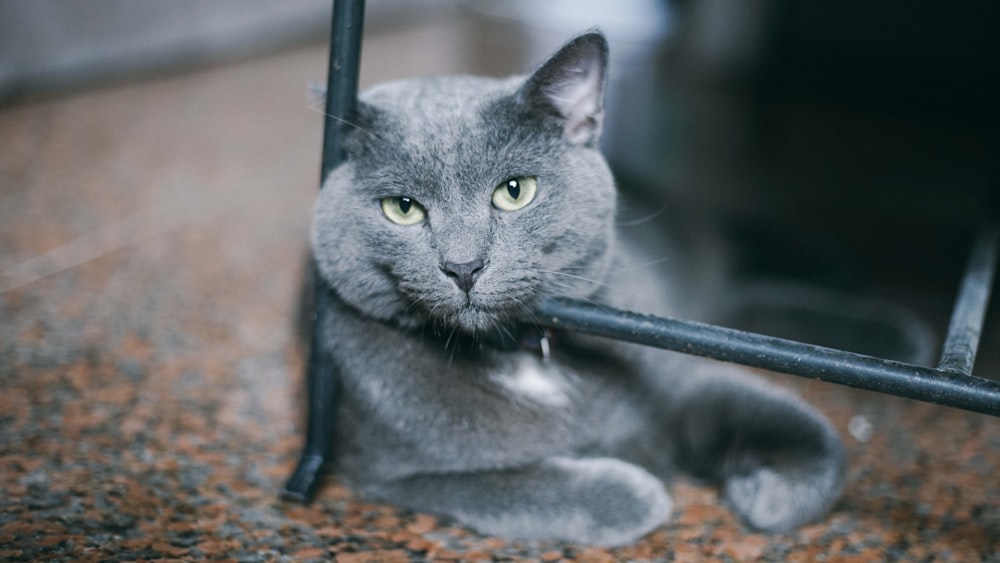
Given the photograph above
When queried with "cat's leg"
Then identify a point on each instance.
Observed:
(601, 501)
(779, 462)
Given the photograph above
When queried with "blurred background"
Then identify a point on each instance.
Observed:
(158, 161)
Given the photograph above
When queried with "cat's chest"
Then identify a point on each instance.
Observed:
(529, 378)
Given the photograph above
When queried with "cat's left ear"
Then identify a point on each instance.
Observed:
(569, 88)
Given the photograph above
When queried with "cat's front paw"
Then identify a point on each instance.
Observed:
(772, 501)
(598, 501)
(610, 502)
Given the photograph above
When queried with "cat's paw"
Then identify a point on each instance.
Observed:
(771, 501)
(597, 501)
(615, 502)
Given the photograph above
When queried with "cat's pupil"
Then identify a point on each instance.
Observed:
(514, 189)
(405, 204)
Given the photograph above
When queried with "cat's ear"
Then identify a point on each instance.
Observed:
(569, 88)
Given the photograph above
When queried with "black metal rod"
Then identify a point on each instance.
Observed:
(341, 80)
(321, 371)
(321, 389)
(776, 354)
(959, 352)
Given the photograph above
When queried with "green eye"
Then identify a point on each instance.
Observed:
(403, 210)
(515, 193)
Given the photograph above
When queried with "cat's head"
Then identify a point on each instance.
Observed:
(463, 200)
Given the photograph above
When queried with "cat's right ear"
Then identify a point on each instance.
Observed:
(569, 88)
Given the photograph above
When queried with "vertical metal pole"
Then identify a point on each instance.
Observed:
(960, 346)
(342, 79)
(321, 371)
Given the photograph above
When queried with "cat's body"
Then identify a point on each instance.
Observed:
(462, 202)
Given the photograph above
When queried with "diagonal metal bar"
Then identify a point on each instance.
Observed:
(776, 354)
(962, 341)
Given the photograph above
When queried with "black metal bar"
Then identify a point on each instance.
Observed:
(776, 354)
(321, 388)
(341, 79)
(321, 371)
(960, 346)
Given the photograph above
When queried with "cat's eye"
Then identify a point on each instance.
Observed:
(515, 193)
(403, 210)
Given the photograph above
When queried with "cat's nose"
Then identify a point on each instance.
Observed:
(464, 275)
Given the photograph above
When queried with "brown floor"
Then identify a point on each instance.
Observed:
(151, 245)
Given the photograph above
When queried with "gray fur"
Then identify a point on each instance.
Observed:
(434, 418)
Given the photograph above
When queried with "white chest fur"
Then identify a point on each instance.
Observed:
(533, 379)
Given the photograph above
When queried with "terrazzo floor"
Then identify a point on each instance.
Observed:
(152, 238)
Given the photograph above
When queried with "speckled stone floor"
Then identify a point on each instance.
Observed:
(151, 246)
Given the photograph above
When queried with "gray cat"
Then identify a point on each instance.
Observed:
(462, 202)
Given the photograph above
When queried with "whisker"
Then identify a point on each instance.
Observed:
(342, 120)
(451, 356)
(451, 335)
(643, 219)
(588, 300)
(502, 330)
(645, 265)
(574, 276)
(414, 303)
(559, 283)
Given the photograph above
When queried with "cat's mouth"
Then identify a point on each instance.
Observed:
(477, 313)
(488, 305)
(476, 318)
